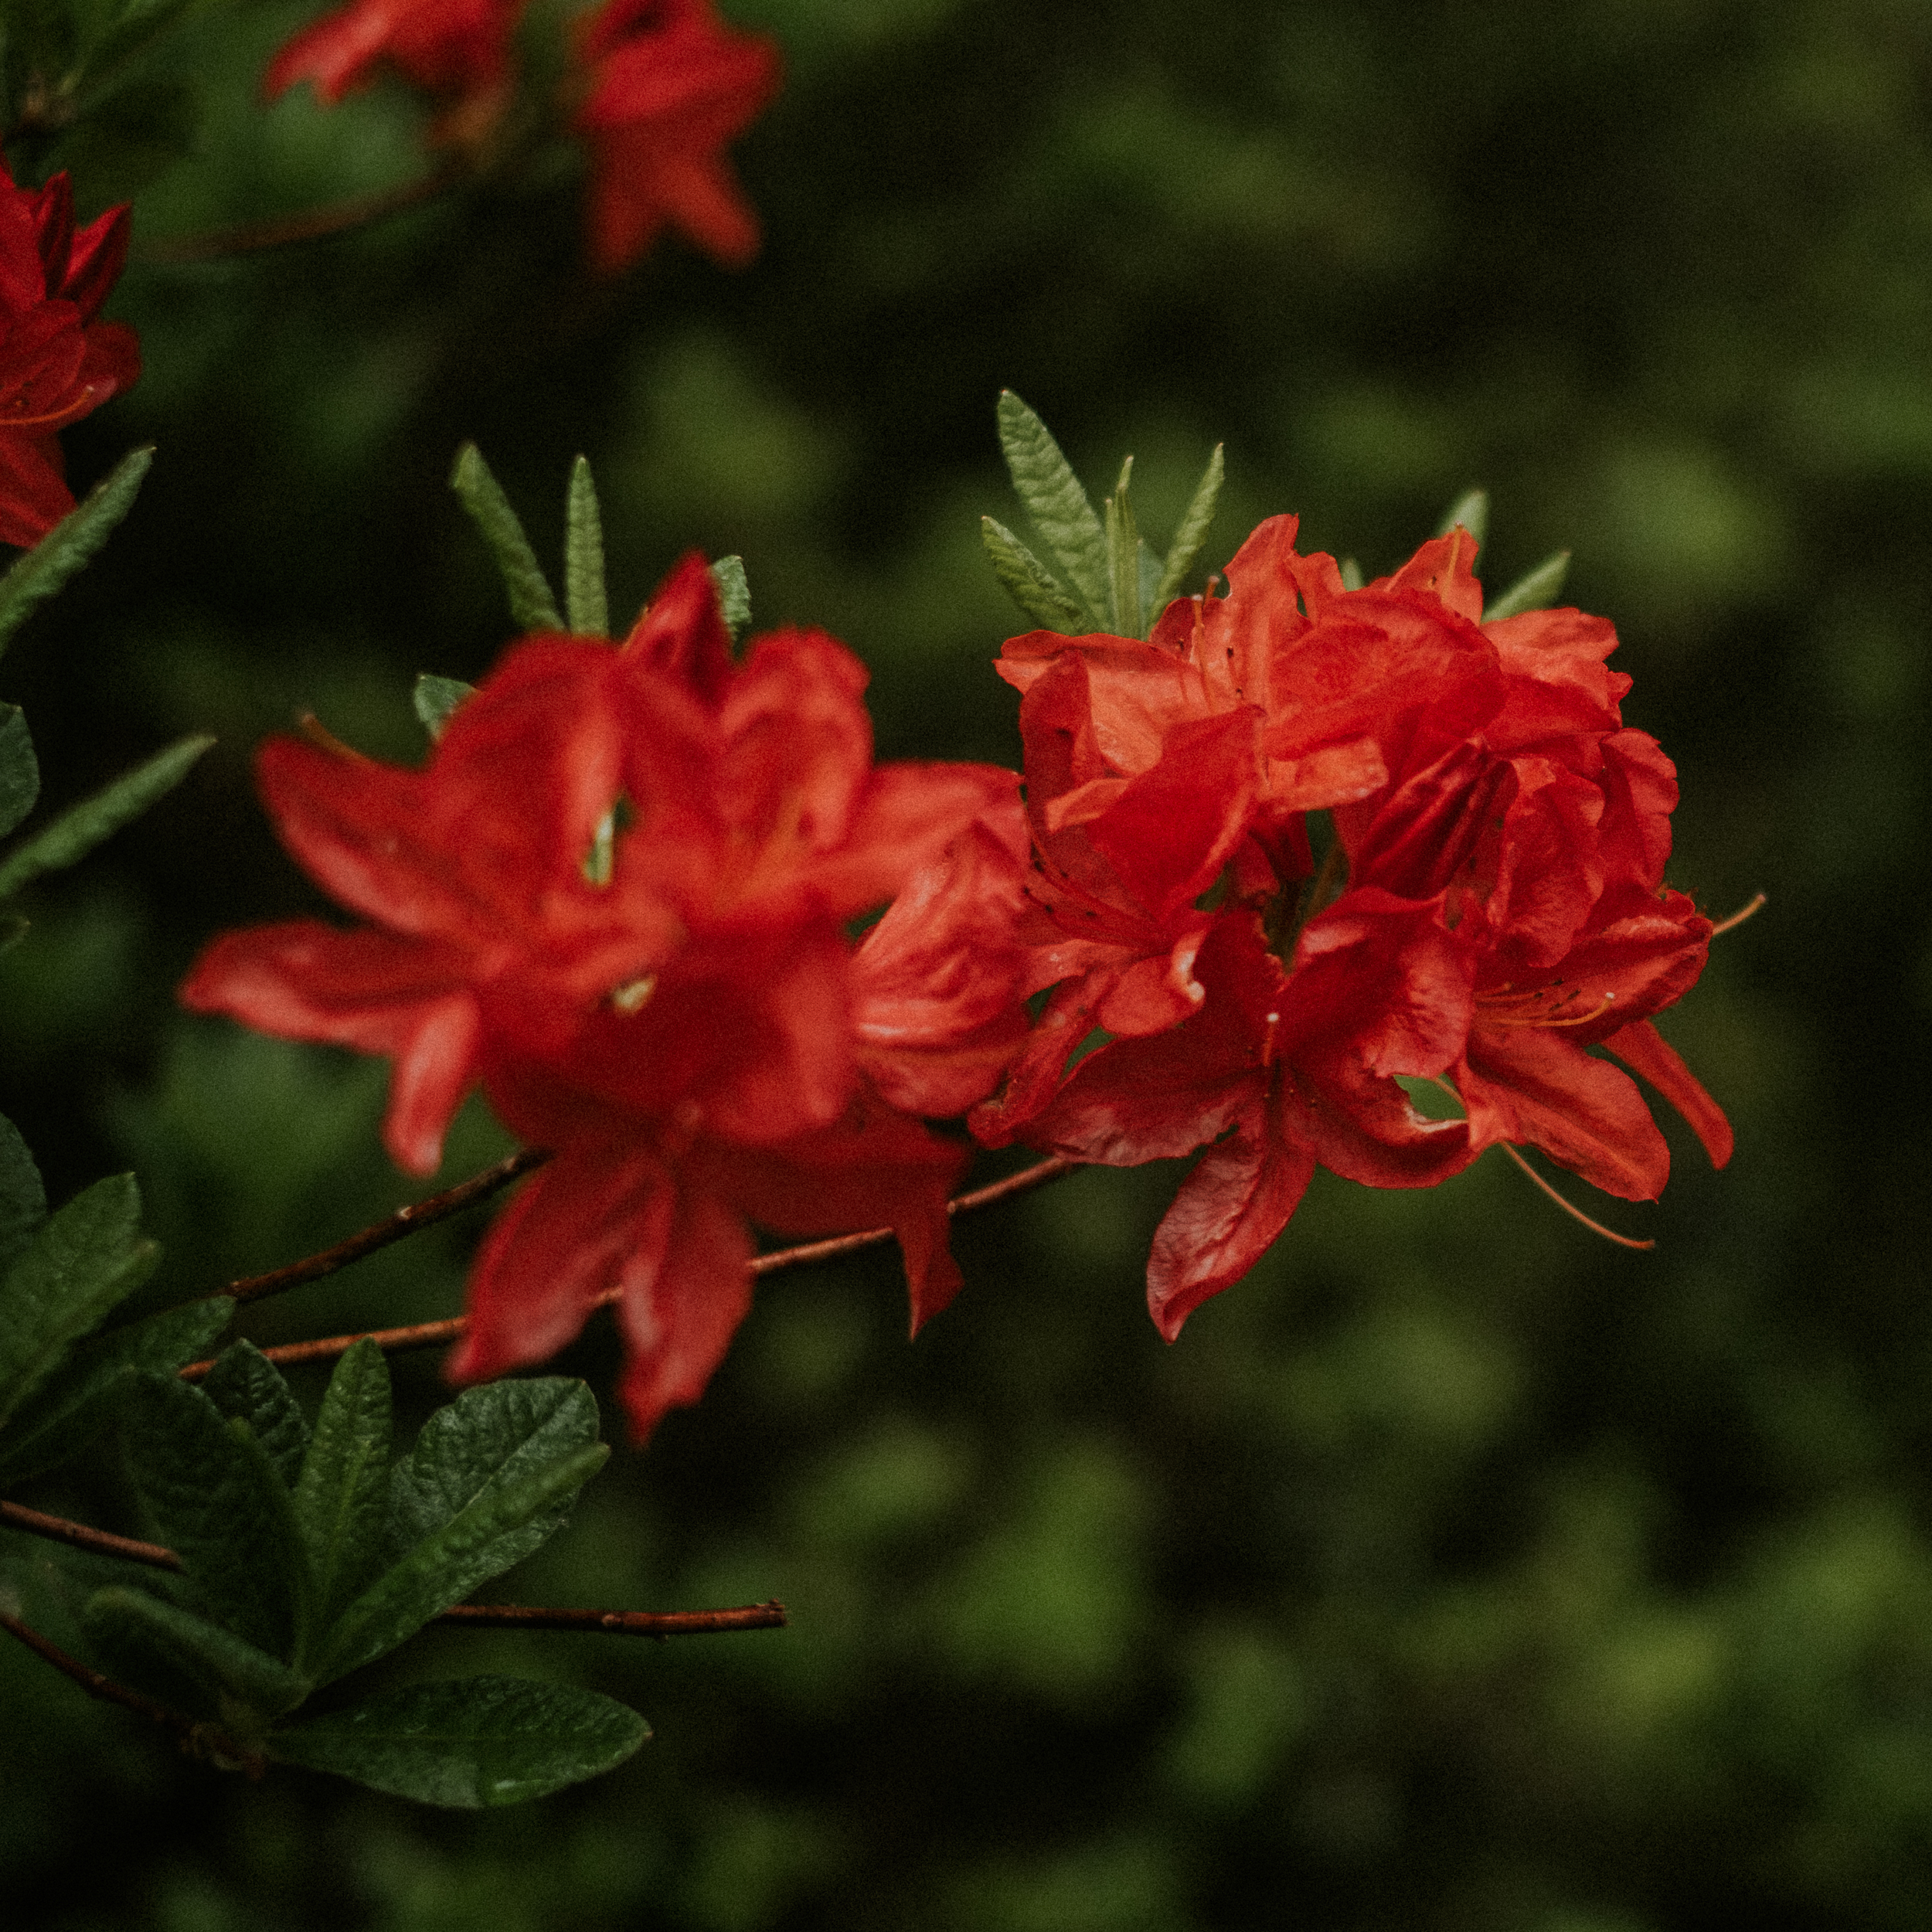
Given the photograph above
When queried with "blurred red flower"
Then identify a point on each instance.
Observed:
(57, 361)
(453, 48)
(615, 898)
(668, 84)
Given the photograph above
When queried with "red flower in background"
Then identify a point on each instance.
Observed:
(58, 363)
(616, 899)
(668, 85)
(458, 48)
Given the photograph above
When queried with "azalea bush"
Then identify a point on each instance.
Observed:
(622, 828)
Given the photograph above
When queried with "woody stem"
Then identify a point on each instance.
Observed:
(621, 1622)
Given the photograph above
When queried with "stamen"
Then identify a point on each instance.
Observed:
(1575, 1019)
(318, 734)
(629, 997)
(1569, 1207)
(1739, 917)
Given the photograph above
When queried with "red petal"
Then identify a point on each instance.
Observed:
(1642, 1047)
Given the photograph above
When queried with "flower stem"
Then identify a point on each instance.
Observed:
(313, 224)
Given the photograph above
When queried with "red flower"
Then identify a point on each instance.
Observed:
(456, 48)
(668, 86)
(615, 898)
(57, 363)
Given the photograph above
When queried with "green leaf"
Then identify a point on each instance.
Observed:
(23, 1201)
(436, 697)
(1189, 538)
(217, 1500)
(1054, 501)
(1027, 581)
(734, 594)
(584, 600)
(341, 1502)
(135, 1625)
(491, 1479)
(245, 1383)
(1351, 574)
(1537, 591)
(19, 769)
(532, 605)
(76, 831)
(79, 1265)
(1472, 511)
(69, 545)
(1123, 558)
(473, 1742)
(82, 1397)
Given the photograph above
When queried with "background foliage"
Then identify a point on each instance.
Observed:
(1454, 1571)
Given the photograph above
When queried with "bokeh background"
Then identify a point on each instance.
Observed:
(1456, 1572)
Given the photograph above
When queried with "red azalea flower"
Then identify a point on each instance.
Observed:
(453, 48)
(57, 363)
(615, 898)
(668, 86)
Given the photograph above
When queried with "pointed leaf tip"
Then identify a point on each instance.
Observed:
(1059, 506)
(584, 600)
(531, 606)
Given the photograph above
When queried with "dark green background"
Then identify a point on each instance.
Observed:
(1456, 1572)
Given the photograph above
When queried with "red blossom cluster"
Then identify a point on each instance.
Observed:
(616, 898)
(58, 362)
(1304, 845)
(1489, 906)
(657, 88)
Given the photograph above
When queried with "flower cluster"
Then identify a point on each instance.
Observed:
(656, 89)
(58, 362)
(1489, 905)
(617, 899)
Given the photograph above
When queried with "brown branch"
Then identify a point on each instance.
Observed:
(622, 1623)
(203, 1741)
(80, 1536)
(405, 1220)
(313, 224)
(429, 1334)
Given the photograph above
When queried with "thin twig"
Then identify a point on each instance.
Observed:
(430, 1335)
(624, 1623)
(405, 1220)
(80, 1536)
(621, 1622)
(313, 224)
(204, 1740)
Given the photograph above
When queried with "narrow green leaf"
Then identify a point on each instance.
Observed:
(23, 1201)
(19, 769)
(470, 1743)
(67, 548)
(135, 1624)
(532, 605)
(1472, 511)
(1123, 558)
(81, 1398)
(734, 594)
(584, 600)
(79, 1265)
(244, 1383)
(341, 1502)
(1027, 582)
(1054, 501)
(490, 1480)
(1351, 578)
(1537, 591)
(436, 697)
(1189, 538)
(216, 1499)
(77, 831)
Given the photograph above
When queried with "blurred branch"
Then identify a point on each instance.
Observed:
(621, 1623)
(203, 1741)
(429, 1334)
(316, 224)
(405, 1220)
